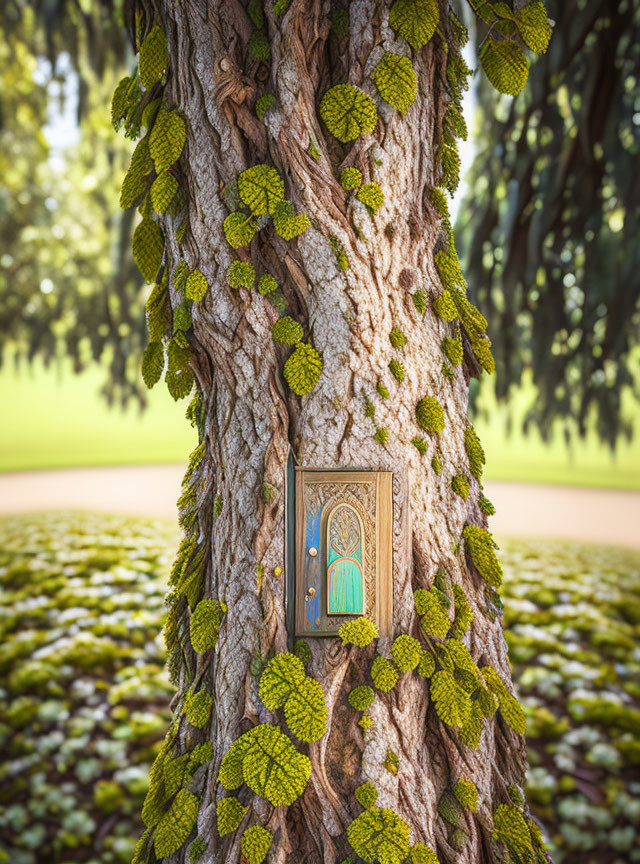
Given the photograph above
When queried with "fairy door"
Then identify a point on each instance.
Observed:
(343, 549)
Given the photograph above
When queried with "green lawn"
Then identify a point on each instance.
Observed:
(53, 419)
(529, 459)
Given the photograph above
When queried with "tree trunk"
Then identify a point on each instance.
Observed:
(252, 420)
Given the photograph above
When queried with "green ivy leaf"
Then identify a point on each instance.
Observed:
(396, 81)
(263, 104)
(241, 274)
(510, 708)
(255, 844)
(152, 363)
(180, 275)
(182, 316)
(132, 109)
(287, 331)
(397, 337)
(178, 353)
(481, 547)
(383, 674)
(266, 760)
(284, 683)
(176, 825)
(180, 383)
(379, 835)
(429, 414)
(303, 369)
(259, 46)
(158, 311)
(119, 101)
(466, 792)
(163, 189)
(205, 625)
(282, 675)
(198, 708)
(348, 112)
(427, 665)
(504, 65)
(464, 613)
(420, 853)
(230, 774)
(196, 286)
(360, 632)
(239, 229)
(256, 13)
(451, 702)
(154, 57)
(471, 730)
(152, 808)
(201, 754)
(148, 248)
(267, 284)
(261, 188)
(280, 7)
(463, 660)
(371, 196)
(143, 850)
(230, 813)
(350, 178)
(511, 827)
(149, 113)
(366, 795)
(166, 139)
(136, 179)
(361, 697)
(487, 702)
(415, 20)
(434, 620)
(288, 225)
(534, 27)
(305, 711)
(406, 652)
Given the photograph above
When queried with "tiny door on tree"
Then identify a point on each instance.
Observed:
(344, 549)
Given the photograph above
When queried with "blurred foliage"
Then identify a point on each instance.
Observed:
(83, 689)
(67, 281)
(83, 693)
(549, 226)
(572, 618)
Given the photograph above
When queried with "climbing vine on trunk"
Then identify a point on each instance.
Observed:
(290, 175)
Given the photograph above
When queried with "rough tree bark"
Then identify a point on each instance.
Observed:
(252, 420)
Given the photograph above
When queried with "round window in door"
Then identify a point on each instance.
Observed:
(345, 561)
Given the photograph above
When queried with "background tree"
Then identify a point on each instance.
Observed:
(290, 176)
(67, 282)
(550, 218)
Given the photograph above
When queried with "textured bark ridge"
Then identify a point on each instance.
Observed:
(251, 421)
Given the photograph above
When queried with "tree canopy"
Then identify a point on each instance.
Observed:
(67, 282)
(550, 219)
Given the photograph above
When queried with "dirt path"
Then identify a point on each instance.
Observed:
(523, 510)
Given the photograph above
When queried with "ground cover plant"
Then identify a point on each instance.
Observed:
(573, 619)
(83, 691)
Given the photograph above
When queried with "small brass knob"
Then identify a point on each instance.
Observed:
(313, 551)
(311, 593)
